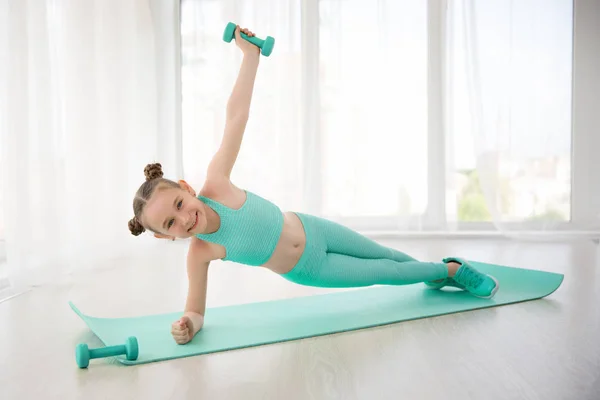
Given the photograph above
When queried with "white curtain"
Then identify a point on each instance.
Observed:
(509, 68)
(86, 102)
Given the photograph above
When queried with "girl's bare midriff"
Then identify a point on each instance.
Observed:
(290, 247)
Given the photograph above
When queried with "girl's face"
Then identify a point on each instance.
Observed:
(175, 213)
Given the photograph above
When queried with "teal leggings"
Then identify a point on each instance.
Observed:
(338, 257)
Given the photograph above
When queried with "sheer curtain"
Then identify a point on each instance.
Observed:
(510, 122)
(82, 111)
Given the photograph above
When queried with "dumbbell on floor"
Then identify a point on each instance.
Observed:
(266, 45)
(83, 354)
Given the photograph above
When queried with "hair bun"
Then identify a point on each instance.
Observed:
(153, 171)
(135, 227)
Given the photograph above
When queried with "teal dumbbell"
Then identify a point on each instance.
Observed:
(266, 46)
(83, 354)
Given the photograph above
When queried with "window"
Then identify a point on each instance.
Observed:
(380, 116)
(519, 69)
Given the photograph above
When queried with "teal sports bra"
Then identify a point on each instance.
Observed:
(250, 233)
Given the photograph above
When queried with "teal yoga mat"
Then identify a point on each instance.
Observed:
(255, 324)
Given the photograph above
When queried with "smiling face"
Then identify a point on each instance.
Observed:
(175, 212)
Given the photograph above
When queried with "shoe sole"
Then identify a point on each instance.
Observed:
(432, 287)
(481, 297)
(493, 291)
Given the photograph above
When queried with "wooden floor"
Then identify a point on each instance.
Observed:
(546, 349)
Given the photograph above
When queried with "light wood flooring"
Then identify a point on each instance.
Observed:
(546, 349)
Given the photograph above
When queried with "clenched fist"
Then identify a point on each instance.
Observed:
(244, 45)
(184, 329)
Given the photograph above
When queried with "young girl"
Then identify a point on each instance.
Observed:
(228, 223)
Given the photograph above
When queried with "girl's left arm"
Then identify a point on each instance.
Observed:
(238, 111)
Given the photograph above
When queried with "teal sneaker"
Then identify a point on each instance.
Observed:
(478, 284)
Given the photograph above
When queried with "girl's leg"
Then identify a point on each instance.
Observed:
(343, 240)
(337, 256)
(344, 271)
(319, 268)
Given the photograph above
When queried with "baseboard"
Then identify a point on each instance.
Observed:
(8, 292)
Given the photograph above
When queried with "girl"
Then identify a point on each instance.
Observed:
(228, 223)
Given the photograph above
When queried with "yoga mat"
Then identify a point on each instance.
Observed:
(260, 323)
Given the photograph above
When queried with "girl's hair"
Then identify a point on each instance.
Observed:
(154, 181)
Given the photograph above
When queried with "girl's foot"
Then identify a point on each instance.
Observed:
(440, 283)
(464, 276)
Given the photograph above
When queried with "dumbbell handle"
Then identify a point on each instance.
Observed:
(252, 39)
(108, 351)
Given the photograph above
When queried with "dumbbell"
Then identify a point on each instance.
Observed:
(83, 354)
(266, 45)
